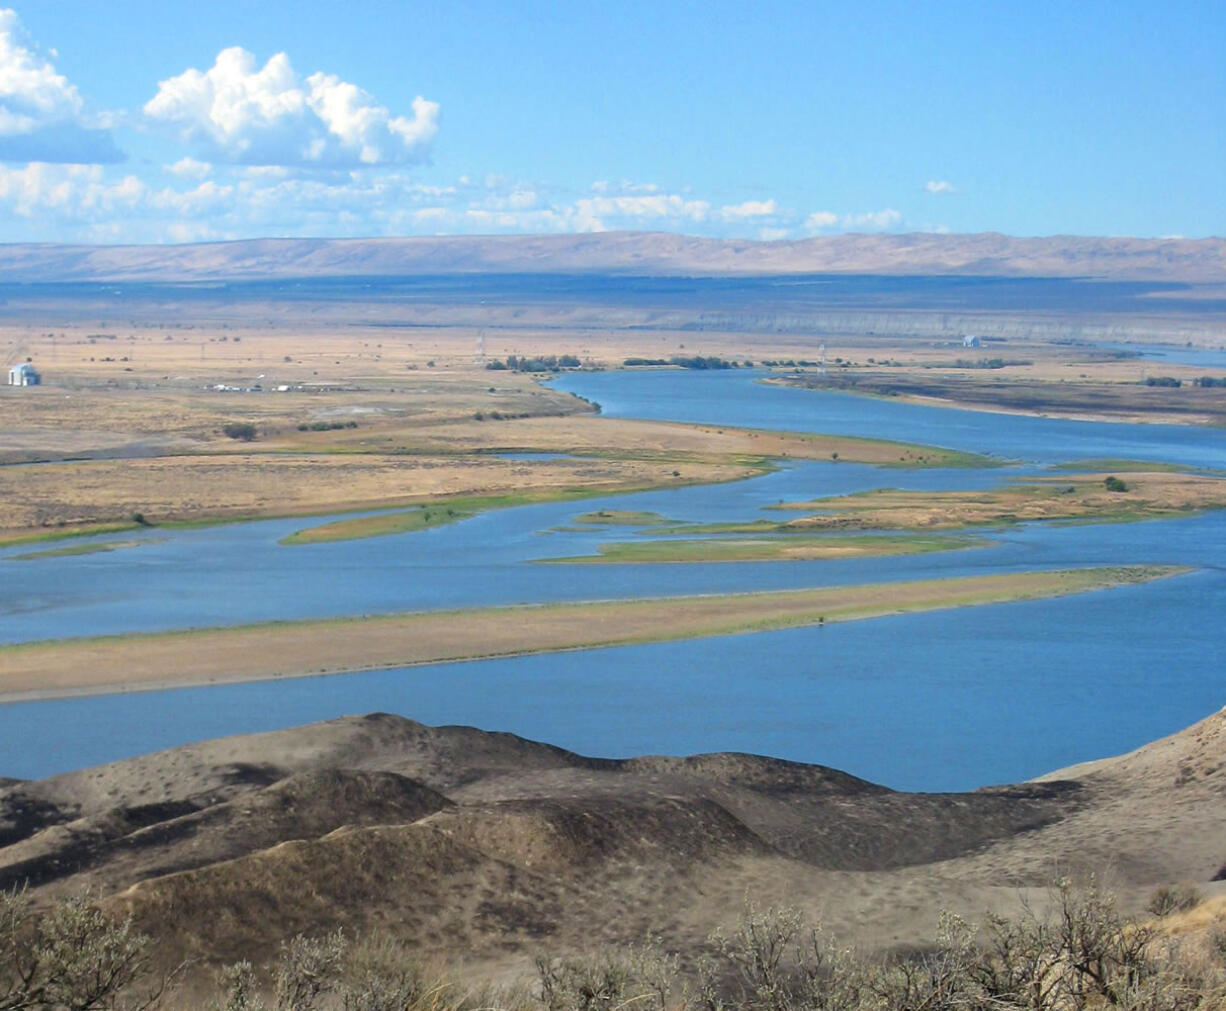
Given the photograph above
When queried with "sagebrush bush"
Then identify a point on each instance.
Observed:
(1082, 956)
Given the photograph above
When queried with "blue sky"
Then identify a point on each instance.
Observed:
(144, 121)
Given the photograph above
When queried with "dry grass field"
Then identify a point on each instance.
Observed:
(136, 424)
(1078, 497)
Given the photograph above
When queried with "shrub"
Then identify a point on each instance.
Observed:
(242, 430)
(1113, 483)
(1173, 899)
(72, 956)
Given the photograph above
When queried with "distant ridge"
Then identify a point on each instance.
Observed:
(1196, 261)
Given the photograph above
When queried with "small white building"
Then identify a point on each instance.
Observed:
(24, 375)
(970, 341)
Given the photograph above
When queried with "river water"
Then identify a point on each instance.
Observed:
(946, 700)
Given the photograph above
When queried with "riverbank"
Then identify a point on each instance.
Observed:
(273, 650)
(1003, 391)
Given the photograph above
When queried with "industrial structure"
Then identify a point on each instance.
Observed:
(24, 375)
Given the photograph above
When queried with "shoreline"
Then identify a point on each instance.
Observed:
(50, 669)
(1139, 417)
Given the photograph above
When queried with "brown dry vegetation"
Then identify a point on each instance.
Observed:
(1113, 391)
(483, 849)
(112, 444)
(1148, 494)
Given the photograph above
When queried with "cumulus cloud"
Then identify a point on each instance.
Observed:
(939, 186)
(42, 115)
(821, 219)
(267, 115)
(592, 214)
(749, 209)
(244, 114)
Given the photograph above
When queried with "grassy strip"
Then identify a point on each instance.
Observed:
(77, 549)
(67, 533)
(446, 510)
(301, 648)
(778, 549)
(420, 518)
(1081, 498)
(731, 527)
(1112, 464)
(621, 517)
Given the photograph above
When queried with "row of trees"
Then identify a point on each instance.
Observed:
(541, 363)
(1206, 382)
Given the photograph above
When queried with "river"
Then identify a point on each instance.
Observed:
(945, 700)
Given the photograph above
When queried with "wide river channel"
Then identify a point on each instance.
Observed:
(945, 700)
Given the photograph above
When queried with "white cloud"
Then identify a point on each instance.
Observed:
(246, 115)
(592, 213)
(42, 115)
(821, 219)
(874, 221)
(939, 186)
(78, 203)
(749, 209)
(32, 93)
(623, 187)
(189, 168)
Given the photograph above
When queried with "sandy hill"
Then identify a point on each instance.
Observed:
(1200, 260)
(493, 847)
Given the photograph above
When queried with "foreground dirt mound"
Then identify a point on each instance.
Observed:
(458, 840)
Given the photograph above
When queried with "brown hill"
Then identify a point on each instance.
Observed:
(991, 254)
(488, 847)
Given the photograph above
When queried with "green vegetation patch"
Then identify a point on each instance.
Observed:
(622, 517)
(1136, 467)
(776, 549)
(440, 512)
(78, 549)
(67, 533)
(408, 521)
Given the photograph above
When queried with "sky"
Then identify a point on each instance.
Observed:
(160, 121)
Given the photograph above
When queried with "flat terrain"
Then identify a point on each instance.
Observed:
(763, 549)
(300, 648)
(483, 849)
(1018, 390)
(1127, 495)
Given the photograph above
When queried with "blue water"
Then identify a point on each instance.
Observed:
(945, 700)
(732, 398)
(1213, 358)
